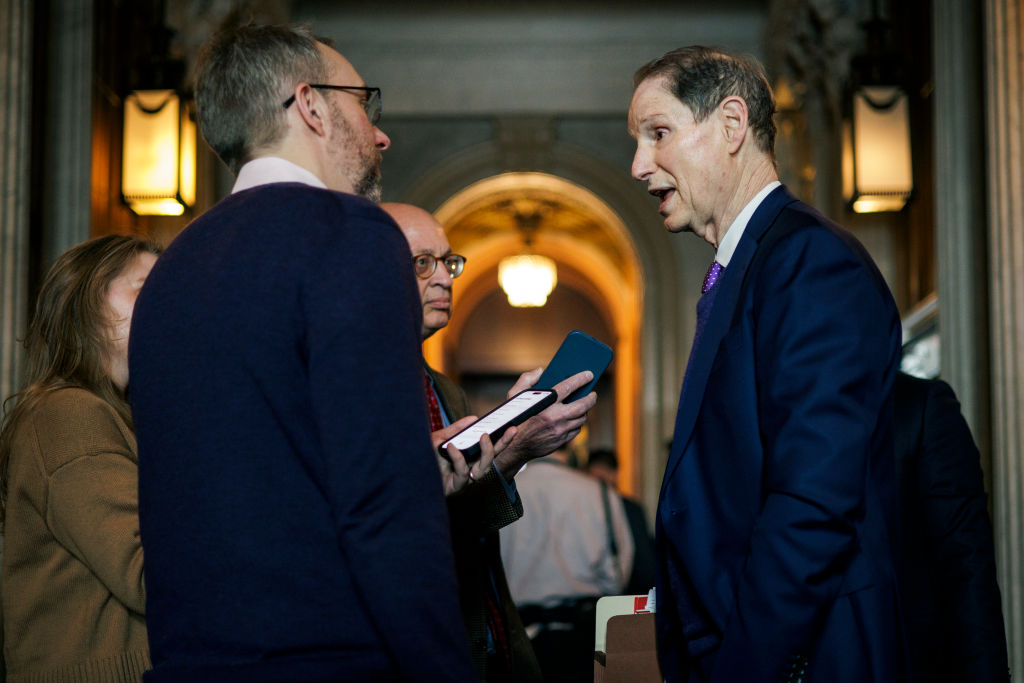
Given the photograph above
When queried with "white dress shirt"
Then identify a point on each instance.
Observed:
(735, 231)
(267, 170)
(560, 549)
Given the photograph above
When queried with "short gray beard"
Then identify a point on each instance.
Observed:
(370, 185)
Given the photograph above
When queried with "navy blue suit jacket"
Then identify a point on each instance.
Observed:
(774, 528)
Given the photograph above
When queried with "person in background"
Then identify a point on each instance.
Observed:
(292, 513)
(950, 594)
(501, 649)
(776, 530)
(572, 547)
(604, 464)
(74, 598)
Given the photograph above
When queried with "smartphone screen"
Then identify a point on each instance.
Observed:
(512, 412)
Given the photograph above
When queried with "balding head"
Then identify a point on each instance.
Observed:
(426, 236)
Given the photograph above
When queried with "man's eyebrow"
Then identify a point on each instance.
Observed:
(639, 125)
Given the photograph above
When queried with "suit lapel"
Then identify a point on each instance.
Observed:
(730, 286)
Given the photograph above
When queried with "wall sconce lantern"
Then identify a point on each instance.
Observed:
(158, 167)
(877, 171)
(877, 168)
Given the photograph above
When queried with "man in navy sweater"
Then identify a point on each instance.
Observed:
(291, 510)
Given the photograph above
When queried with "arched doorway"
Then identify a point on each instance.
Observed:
(599, 290)
(666, 285)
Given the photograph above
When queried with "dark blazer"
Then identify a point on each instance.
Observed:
(773, 527)
(954, 616)
(476, 514)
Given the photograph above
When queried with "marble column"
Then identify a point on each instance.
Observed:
(67, 173)
(1004, 91)
(960, 214)
(15, 97)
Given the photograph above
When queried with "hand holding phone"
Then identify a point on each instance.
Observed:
(456, 473)
(512, 412)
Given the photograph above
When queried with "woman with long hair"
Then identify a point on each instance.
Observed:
(73, 596)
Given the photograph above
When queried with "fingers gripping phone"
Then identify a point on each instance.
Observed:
(512, 412)
(578, 352)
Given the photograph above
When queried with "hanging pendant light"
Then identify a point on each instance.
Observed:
(527, 279)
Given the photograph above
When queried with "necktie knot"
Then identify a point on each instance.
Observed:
(714, 270)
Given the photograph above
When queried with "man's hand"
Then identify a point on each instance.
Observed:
(526, 381)
(456, 473)
(550, 429)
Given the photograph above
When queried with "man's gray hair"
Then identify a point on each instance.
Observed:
(701, 77)
(243, 77)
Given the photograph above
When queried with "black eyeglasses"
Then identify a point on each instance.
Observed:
(426, 264)
(371, 105)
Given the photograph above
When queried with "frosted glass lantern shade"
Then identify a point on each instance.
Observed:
(877, 171)
(158, 163)
(527, 279)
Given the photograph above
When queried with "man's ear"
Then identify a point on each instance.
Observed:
(311, 108)
(733, 113)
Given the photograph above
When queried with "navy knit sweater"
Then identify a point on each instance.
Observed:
(291, 509)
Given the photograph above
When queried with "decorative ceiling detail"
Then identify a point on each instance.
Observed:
(543, 214)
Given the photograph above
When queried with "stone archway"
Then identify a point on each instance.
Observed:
(596, 257)
(668, 274)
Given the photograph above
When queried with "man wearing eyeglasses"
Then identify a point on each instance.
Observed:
(484, 500)
(290, 513)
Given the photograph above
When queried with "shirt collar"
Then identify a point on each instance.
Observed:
(735, 231)
(265, 170)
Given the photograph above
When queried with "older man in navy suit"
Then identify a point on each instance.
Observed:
(774, 528)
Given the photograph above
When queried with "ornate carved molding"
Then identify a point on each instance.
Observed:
(811, 44)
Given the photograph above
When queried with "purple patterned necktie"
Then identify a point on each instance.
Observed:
(714, 270)
(707, 298)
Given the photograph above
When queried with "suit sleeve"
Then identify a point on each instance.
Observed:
(365, 371)
(483, 508)
(826, 339)
(960, 535)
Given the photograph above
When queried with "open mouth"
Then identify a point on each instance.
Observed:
(663, 194)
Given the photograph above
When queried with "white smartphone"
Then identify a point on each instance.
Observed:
(514, 411)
